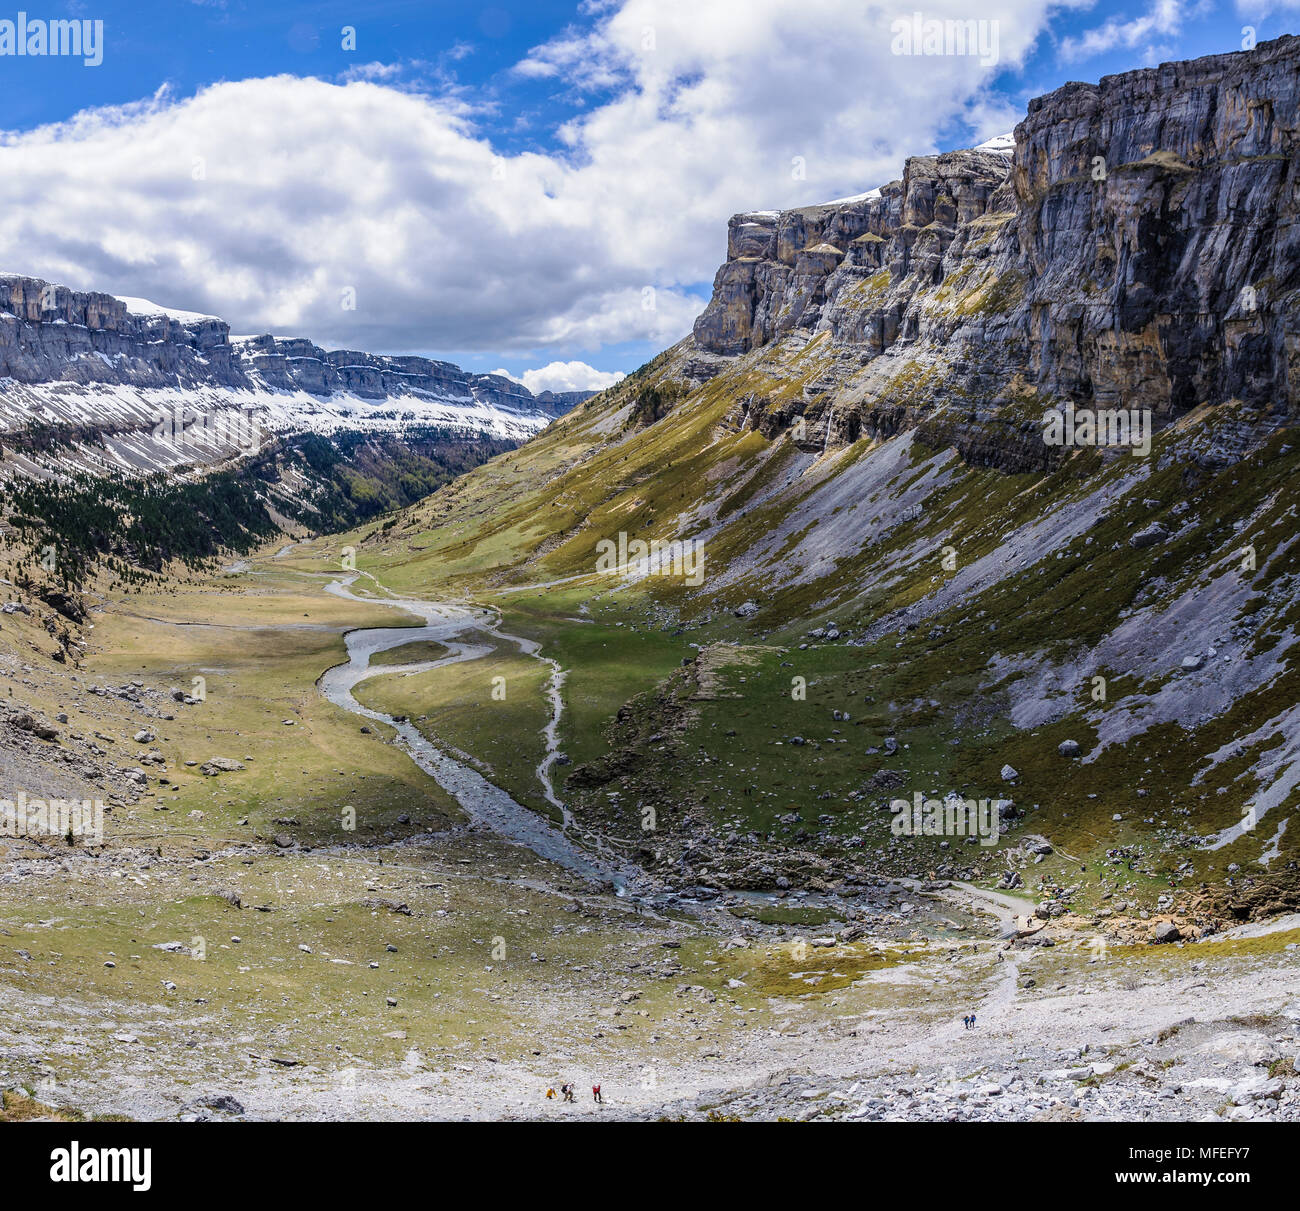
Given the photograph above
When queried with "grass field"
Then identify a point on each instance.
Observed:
(258, 652)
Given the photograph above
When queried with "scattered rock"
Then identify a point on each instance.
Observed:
(390, 905)
(221, 1102)
(25, 721)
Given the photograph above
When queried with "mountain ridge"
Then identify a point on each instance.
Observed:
(115, 379)
(1141, 241)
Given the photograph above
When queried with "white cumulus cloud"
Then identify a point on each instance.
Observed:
(565, 376)
(371, 216)
(1161, 19)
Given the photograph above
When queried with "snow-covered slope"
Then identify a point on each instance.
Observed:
(128, 384)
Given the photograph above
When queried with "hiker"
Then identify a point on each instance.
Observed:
(595, 1095)
(972, 1021)
(550, 1093)
(966, 1022)
(567, 1090)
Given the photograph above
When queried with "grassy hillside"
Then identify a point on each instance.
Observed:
(974, 611)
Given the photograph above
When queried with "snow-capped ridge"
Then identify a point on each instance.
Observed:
(1003, 144)
(117, 370)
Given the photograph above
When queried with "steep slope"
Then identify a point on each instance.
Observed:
(908, 586)
(1141, 251)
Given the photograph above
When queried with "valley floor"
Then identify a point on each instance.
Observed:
(287, 1015)
(322, 931)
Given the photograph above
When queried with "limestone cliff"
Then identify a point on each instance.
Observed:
(906, 588)
(1137, 247)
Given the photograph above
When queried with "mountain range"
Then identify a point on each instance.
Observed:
(914, 640)
(109, 377)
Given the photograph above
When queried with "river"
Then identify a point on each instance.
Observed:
(485, 803)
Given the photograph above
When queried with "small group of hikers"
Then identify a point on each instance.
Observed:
(969, 1021)
(567, 1094)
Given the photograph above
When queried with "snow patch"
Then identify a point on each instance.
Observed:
(1002, 144)
(145, 307)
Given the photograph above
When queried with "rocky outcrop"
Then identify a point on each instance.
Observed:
(1138, 248)
(826, 267)
(49, 332)
(296, 364)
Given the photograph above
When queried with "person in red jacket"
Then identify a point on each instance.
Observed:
(595, 1094)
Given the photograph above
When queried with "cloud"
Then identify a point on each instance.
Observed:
(373, 71)
(274, 202)
(1162, 18)
(565, 376)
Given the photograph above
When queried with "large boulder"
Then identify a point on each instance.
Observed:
(1152, 536)
(25, 721)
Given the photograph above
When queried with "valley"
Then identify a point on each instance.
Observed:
(235, 943)
(451, 743)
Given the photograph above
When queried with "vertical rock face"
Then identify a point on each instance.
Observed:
(49, 332)
(1139, 248)
(788, 270)
(296, 364)
(1176, 275)
(815, 268)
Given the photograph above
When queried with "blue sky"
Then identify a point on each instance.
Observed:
(515, 185)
